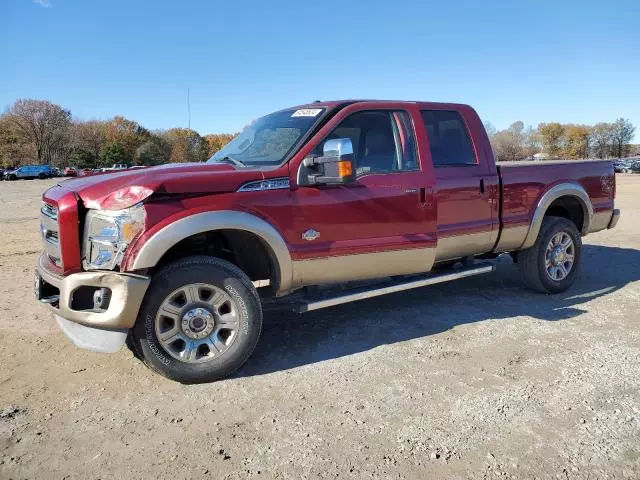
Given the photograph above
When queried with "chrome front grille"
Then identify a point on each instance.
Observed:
(49, 231)
(49, 211)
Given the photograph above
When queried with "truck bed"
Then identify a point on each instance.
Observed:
(523, 184)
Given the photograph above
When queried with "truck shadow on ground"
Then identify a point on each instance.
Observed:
(290, 340)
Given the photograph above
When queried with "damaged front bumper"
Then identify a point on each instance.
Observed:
(94, 309)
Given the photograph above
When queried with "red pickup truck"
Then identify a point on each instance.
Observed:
(181, 257)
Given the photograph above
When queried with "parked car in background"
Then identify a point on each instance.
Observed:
(116, 167)
(86, 171)
(70, 172)
(626, 165)
(621, 165)
(29, 171)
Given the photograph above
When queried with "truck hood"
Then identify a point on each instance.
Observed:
(171, 179)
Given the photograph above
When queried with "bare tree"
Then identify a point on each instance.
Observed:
(490, 129)
(509, 144)
(602, 139)
(621, 135)
(90, 136)
(14, 149)
(43, 123)
(532, 143)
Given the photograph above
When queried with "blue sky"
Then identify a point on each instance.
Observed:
(562, 60)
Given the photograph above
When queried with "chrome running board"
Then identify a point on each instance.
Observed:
(398, 286)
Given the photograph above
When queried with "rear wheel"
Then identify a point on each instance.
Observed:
(200, 320)
(551, 264)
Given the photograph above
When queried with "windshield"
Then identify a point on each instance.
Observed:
(268, 140)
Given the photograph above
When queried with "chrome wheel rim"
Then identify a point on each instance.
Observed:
(559, 256)
(197, 323)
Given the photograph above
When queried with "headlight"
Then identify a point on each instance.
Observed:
(108, 233)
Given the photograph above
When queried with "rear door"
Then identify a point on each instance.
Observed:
(383, 223)
(466, 183)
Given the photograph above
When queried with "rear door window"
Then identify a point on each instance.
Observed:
(449, 139)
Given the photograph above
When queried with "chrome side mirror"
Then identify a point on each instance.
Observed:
(334, 167)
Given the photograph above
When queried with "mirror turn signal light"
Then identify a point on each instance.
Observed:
(345, 168)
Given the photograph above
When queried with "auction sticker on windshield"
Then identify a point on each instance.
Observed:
(307, 112)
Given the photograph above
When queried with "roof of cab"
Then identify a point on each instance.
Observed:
(337, 103)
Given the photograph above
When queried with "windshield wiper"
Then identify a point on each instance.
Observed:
(228, 159)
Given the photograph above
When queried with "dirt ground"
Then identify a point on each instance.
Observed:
(478, 378)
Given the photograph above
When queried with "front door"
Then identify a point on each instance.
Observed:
(383, 223)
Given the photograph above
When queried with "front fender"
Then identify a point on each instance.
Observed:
(151, 251)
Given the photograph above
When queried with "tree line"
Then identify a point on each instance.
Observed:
(568, 141)
(41, 132)
(38, 131)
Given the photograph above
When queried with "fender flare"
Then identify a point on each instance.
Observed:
(574, 190)
(160, 242)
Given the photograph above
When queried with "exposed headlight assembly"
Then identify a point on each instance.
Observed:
(108, 233)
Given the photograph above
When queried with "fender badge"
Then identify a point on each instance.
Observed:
(606, 181)
(310, 235)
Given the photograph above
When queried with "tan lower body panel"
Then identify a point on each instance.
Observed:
(362, 266)
(600, 221)
(512, 238)
(462, 245)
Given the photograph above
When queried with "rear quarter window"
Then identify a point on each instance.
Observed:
(449, 139)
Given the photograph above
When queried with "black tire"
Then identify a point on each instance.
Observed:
(190, 270)
(42, 176)
(12, 177)
(531, 261)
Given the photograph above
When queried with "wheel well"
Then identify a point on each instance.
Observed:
(569, 208)
(244, 249)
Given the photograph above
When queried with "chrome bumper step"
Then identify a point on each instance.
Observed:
(52, 300)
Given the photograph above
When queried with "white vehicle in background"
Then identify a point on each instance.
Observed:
(116, 167)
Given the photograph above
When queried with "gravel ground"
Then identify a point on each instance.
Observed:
(474, 379)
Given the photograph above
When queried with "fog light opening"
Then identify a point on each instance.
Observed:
(95, 299)
(101, 298)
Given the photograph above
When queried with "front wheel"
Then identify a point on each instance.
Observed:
(200, 320)
(551, 264)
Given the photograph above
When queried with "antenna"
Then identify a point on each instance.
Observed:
(189, 108)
